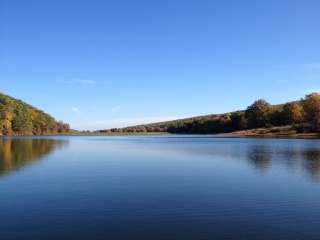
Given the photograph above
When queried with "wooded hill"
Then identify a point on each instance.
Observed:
(303, 116)
(20, 118)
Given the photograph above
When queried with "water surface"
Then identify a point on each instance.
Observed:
(159, 188)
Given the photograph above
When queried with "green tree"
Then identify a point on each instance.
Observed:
(17, 117)
(292, 113)
(22, 120)
(6, 123)
(236, 119)
(258, 114)
(311, 107)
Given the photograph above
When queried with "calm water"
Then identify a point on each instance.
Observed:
(159, 188)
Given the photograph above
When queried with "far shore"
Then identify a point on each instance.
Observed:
(274, 132)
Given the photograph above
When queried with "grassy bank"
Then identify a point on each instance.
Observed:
(273, 132)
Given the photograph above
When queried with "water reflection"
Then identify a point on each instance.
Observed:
(264, 155)
(154, 188)
(260, 156)
(300, 155)
(306, 159)
(17, 153)
(312, 163)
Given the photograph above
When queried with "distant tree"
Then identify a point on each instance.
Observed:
(258, 114)
(243, 124)
(157, 129)
(275, 118)
(40, 125)
(142, 129)
(236, 118)
(311, 107)
(6, 123)
(6, 115)
(22, 120)
(292, 113)
(63, 127)
(225, 123)
(148, 129)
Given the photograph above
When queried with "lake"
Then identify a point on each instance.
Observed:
(159, 187)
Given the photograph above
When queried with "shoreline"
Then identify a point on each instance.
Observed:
(274, 132)
(311, 136)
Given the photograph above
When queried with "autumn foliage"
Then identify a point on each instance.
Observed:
(303, 116)
(19, 118)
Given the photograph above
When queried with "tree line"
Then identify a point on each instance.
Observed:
(303, 116)
(20, 118)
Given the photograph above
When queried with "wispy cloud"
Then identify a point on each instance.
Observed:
(120, 122)
(75, 110)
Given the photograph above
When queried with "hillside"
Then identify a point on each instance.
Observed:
(300, 116)
(20, 118)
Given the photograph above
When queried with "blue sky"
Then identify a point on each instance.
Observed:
(101, 64)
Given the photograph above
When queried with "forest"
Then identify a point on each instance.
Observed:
(20, 118)
(303, 116)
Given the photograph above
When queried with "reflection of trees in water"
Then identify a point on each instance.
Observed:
(312, 162)
(16, 153)
(260, 156)
(306, 159)
(297, 155)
